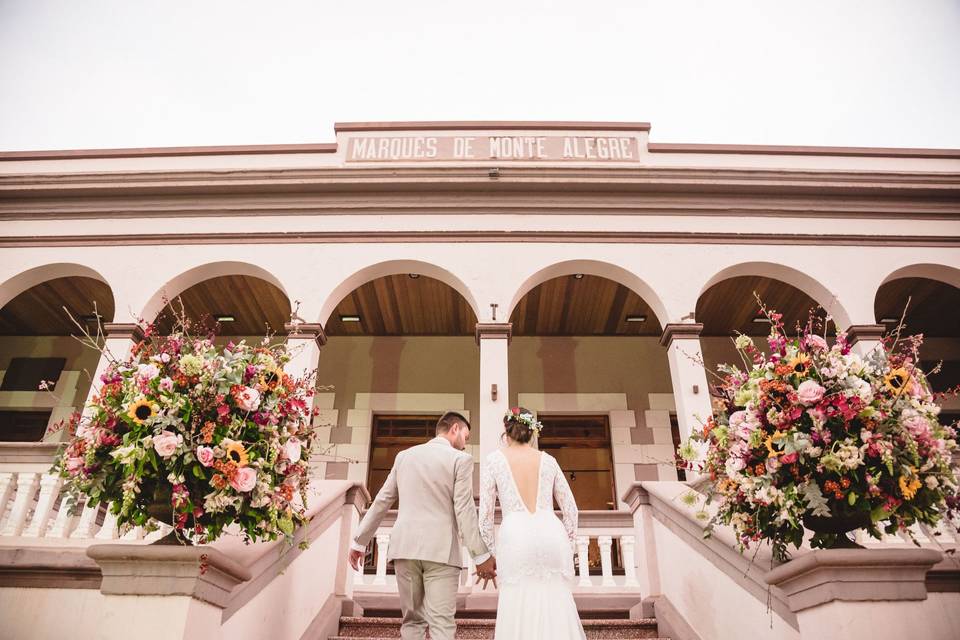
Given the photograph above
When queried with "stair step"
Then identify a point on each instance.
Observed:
(365, 628)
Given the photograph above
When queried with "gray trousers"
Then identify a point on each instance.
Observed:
(428, 598)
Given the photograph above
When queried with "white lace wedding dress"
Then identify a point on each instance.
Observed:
(534, 553)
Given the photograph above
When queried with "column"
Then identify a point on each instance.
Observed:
(26, 488)
(583, 561)
(383, 545)
(690, 390)
(865, 338)
(606, 560)
(304, 340)
(629, 561)
(120, 339)
(49, 490)
(493, 339)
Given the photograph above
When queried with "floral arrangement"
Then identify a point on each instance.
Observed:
(219, 434)
(524, 418)
(814, 429)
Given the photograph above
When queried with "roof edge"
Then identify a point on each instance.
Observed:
(487, 125)
(788, 150)
(144, 152)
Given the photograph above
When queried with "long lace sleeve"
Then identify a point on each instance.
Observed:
(568, 506)
(488, 502)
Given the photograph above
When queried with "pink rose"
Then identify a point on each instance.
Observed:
(245, 479)
(248, 399)
(816, 342)
(205, 455)
(809, 392)
(147, 371)
(292, 449)
(166, 443)
(789, 458)
(166, 384)
(74, 465)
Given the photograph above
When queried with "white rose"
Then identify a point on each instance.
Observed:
(248, 399)
(292, 449)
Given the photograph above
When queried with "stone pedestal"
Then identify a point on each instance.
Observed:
(875, 594)
(164, 592)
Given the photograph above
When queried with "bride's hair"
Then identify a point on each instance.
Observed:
(517, 429)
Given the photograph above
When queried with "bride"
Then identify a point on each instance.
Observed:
(534, 550)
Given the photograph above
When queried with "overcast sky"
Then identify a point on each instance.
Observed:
(130, 73)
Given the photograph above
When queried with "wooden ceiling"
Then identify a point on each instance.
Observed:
(934, 308)
(399, 305)
(257, 306)
(729, 306)
(38, 311)
(588, 306)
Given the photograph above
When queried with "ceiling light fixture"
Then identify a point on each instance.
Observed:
(225, 317)
(578, 276)
(91, 317)
(762, 320)
(636, 318)
(414, 276)
(889, 320)
(349, 318)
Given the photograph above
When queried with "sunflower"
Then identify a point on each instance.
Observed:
(271, 377)
(236, 453)
(909, 488)
(777, 435)
(799, 364)
(141, 410)
(896, 380)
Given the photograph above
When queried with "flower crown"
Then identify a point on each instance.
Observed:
(525, 419)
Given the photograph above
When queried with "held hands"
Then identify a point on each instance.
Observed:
(487, 571)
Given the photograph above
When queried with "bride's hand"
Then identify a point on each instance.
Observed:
(486, 580)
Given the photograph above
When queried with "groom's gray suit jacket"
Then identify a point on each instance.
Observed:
(434, 483)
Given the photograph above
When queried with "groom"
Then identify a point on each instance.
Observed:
(434, 483)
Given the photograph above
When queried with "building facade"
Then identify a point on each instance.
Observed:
(576, 269)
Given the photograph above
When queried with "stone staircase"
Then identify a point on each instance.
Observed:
(377, 628)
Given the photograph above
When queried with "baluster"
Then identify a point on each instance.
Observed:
(629, 561)
(88, 520)
(583, 547)
(49, 488)
(26, 486)
(383, 542)
(6, 490)
(918, 533)
(63, 525)
(358, 573)
(109, 529)
(135, 533)
(946, 535)
(606, 560)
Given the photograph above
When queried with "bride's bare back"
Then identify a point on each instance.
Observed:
(524, 464)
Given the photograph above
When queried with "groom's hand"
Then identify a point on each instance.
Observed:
(355, 558)
(487, 571)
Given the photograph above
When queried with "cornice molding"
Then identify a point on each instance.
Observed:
(123, 330)
(306, 330)
(871, 332)
(494, 330)
(460, 179)
(680, 331)
(366, 237)
(514, 201)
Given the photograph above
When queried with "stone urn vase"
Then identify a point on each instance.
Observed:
(838, 525)
(161, 510)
